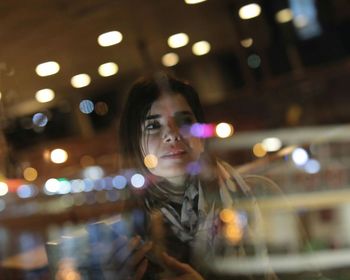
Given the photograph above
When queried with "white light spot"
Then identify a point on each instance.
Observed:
(4, 189)
(58, 156)
(51, 186)
(224, 130)
(47, 68)
(312, 166)
(178, 40)
(110, 38)
(137, 180)
(272, 144)
(201, 48)
(249, 11)
(108, 69)
(93, 172)
(44, 95)
(300, 156)
(80, 80)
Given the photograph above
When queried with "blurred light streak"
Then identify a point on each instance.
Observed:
(249, 11)
(47, 68)
(178, 40)
(109, 38)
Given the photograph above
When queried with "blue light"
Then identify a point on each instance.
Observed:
(86, 106)
(40, 119)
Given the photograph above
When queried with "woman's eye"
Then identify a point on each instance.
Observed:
(152, 126)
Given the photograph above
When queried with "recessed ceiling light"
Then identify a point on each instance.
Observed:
(108, 69)
(44, 95)
(109, 38)
(249, 11)
(178, 40)
(190, 2)
(201, 48)
(246, 43)
(47, 68)
(284, 16)
(81, 80)
(170, 59)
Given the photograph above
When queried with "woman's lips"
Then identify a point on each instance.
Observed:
(174, 154)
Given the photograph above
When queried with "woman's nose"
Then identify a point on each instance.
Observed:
(171, 133)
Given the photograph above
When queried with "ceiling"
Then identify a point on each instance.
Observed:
(65, 31)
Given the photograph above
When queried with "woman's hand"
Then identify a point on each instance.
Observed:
(183, 270)
(129, 258)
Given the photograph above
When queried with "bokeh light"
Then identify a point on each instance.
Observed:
(58, 156)
(249, 11)
(30, 174)
(227, 215)
(109, 38)
(86, 106)
(193, 168)
(150, 161)
(201, 48)
(300, 156)
(93, 172)
(119, 182)
(224, 130)
(170, 59)
(272, 144)
(47, 68)
(108, 69)
(40, 119)
(312, 166)
(246, 43)
(178, 40)
(44, 95)
(284, 15)
(202, 130)
(101, 108)
(26, 191)
(3, 188)
(137, 180)
(80, 80)
(51, 186)
(254, 61)
(259, 150)
(192, 2)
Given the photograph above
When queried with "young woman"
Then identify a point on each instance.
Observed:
(185, 188)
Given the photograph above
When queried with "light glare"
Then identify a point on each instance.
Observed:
(272, 144)
(109, 38)
(224, 130)
(246, 43)
(3, 188)
(44, 95)
(58, 156)
(192, 2)
(178, 40)
(249, 11)
(201, 48)
(108, 69)
(170, 59)
(300, 156)
(137, 180)
(80, 80)
(47, 68)
(284, 16)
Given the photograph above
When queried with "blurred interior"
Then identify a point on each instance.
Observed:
(275, 72)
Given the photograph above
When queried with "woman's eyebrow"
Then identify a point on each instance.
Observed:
(184, 113)
(151, 117)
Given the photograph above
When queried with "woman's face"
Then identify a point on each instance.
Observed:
(163, 137)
